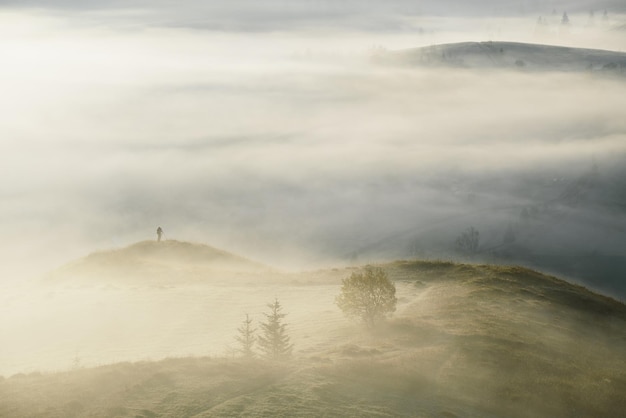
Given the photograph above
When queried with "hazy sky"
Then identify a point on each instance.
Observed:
(265, 128)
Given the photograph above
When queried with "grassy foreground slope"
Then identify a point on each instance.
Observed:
(467, 340)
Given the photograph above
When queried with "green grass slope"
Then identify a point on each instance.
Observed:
(466, 341)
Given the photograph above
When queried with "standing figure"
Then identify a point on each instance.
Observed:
(159, 233)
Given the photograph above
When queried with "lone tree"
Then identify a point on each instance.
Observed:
(274, 343)
(467, 242)
(369, 296)
(246, 337)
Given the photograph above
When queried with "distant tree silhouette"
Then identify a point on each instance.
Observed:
(246, 337)
(274, 343)
(468, 241)
(369, 296)
(565, 19)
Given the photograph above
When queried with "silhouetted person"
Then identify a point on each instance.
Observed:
(159, 233)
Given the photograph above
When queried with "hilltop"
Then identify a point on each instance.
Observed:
(466, 340)
(512, 55)
(151, 262)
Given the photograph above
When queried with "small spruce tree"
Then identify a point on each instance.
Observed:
(274, 343)
(246, 338)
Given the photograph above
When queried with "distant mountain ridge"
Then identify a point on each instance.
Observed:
(514, 55)
(152, 262)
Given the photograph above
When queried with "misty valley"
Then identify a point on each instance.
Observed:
(362, 209)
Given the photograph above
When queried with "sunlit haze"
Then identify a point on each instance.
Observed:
(286, 137)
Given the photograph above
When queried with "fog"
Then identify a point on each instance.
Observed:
(274, 133)
(88, 327)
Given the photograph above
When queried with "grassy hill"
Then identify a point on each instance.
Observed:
(515, 55)
(466, 340)
(151, 262)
